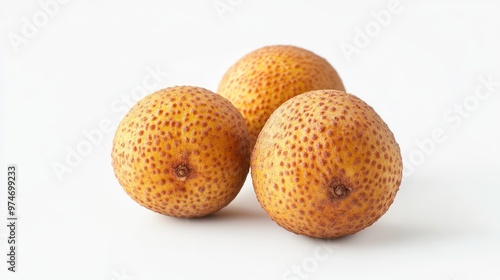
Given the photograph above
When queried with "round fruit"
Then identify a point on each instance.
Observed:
(262, 80)
(182, 152)
(326, 165)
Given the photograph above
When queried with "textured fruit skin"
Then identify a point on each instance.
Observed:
(326, 165)
(182, 152)
(262, 80)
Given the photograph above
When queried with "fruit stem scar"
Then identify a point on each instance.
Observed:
(182, 172)
(339, 190)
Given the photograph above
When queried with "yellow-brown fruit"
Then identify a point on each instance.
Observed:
(326, 165)
(182, 152)
(262, 80)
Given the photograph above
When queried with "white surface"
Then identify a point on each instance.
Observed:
(76, 69)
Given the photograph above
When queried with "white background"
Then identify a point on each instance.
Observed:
(81, 62)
